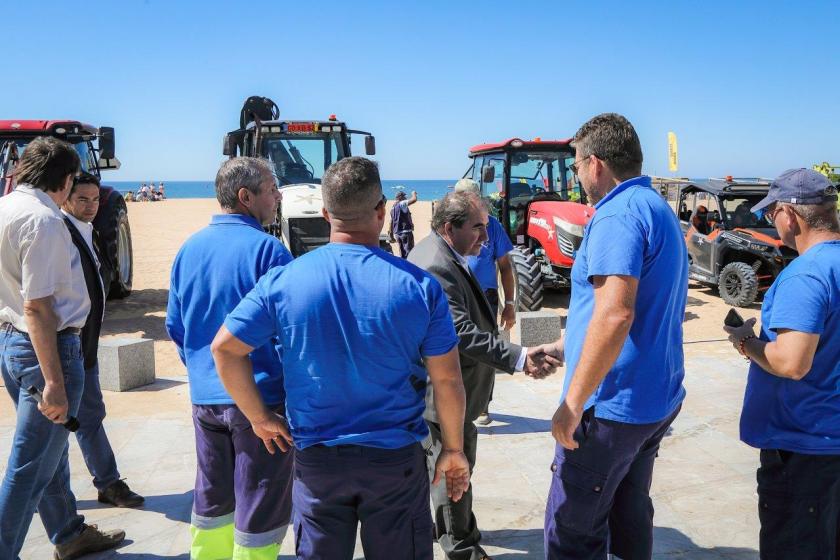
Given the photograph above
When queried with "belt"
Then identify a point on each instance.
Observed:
(65, 331)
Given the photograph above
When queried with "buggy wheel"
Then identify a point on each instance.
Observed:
(738, 284)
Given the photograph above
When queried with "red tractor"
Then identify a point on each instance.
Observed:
(538, 201)
(96, 150)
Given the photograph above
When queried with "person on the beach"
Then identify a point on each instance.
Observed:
(791, 406)
(459, 228)
(242, 502)
(79, 211)
(161, 192)
(402, 226)
(43, 306)
(624, 351)
(356, 369)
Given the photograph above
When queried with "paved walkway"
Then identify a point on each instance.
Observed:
(703, 487)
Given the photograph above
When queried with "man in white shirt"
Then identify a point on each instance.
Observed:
(79, 211)
(43, 306)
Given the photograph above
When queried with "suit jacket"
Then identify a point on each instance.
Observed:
(481, 350)
(96, 293)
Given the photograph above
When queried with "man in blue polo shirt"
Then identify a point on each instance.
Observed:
(623, 347)
(242, 502)
(358, 331)
(792, 402)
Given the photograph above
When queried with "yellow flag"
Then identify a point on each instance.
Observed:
(673, 159)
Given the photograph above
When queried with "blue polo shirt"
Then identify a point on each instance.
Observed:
(800, 416)
(354, 324)
(634, 233)
(498, 245)
(211, 274)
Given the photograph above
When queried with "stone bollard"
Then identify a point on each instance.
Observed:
(533, 328)
(126, 363)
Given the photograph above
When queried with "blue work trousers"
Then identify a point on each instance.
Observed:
(599, 500)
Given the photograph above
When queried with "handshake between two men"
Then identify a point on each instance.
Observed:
(543, 360)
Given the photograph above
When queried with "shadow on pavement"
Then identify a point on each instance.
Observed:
(507, 424)
(160, 384)
(527, 544)
(142, 556)
(523, 544)
(177, 507)
(669, 542)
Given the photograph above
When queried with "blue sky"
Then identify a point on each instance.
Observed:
(750, 88)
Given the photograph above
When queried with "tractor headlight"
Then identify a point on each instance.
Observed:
(572, 229)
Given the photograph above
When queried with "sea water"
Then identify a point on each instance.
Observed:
(427, 189)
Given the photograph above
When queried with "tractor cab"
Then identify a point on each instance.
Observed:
(16, 135)
(729, 247)
(532, 191)
(96, 147)
(299, 151)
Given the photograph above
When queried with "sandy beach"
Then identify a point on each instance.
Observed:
(158, 229)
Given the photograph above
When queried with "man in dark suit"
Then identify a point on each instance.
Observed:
(79, 210)
(459, 228)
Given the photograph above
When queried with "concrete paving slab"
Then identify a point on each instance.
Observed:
(703, 490)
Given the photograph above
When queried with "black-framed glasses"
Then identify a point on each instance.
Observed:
(381, 202)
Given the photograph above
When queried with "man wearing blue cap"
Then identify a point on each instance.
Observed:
(792, 402)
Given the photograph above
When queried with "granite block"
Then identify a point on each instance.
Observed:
(126, 363)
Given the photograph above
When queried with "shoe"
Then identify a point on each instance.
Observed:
(91, 540)
(120, 495)
(483, 419)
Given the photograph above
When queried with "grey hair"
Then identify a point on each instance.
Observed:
(610, 137)
(819, 216)
(351, 188)
(238, 173)
(455, 208)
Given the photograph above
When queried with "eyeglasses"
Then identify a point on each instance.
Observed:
(381, 202)
(771, 215)
(575, 167)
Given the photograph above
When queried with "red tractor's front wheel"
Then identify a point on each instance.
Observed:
(529, 284)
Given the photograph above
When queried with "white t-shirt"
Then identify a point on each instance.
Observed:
(38, 259)
(86, 229)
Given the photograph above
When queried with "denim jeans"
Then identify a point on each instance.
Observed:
(38, 473)
(93, 441)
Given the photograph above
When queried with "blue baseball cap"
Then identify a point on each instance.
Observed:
(798, 186)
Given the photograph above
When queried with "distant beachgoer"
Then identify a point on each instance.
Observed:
(402, 226)
(161, 192)
(129, 196)
(144, 193)
(243, 492)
